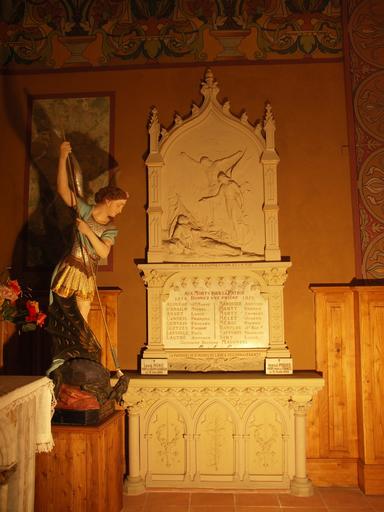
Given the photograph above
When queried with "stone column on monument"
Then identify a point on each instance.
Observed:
(301, 485)
(154, 281)
(134, 484)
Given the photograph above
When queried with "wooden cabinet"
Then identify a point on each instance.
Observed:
(370, 378)
(84, 472)
(346, 422)
(332, 424)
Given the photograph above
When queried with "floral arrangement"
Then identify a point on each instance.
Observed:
(17, 307)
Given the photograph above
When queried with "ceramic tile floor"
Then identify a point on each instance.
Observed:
(328, 499)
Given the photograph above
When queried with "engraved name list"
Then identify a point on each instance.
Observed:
(215, 318)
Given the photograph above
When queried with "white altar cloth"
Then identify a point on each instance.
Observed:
(25, 428)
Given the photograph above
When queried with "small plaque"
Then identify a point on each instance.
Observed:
(278, 366)
(154, 366)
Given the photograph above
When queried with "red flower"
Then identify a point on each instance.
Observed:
(16, 308)
(10, 291)
(33, 310)
(41, 319)
(14, 285)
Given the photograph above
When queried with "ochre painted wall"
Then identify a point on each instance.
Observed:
(315, 217)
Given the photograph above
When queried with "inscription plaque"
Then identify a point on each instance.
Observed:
(278, 366)
(154, 366)
(215, 317)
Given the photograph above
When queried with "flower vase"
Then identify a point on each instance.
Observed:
(230, 41)
(76, 45)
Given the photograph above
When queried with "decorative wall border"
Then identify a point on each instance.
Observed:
(364, 75)
(49, 34)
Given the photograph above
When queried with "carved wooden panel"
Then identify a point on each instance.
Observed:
(84, 472)
(346, 422)
(332, 420)
(370, 370)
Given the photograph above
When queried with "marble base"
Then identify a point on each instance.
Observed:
(239, 430)
(301, 487)
(133, 485)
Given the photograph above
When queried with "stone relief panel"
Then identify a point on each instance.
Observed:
(212, 185)
(213, 194)
(166, 443)
(215, 450)
(265, 429)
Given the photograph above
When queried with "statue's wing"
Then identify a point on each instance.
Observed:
(71, 335)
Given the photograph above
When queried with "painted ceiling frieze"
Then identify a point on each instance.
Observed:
(61, 33)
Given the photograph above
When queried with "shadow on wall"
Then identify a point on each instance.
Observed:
(27, 353)
(48, 231)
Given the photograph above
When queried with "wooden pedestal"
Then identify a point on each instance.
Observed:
(84, 472)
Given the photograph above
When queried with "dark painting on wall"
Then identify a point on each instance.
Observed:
(85, 121)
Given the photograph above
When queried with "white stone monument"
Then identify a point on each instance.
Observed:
(215, 278)
(214, 272)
